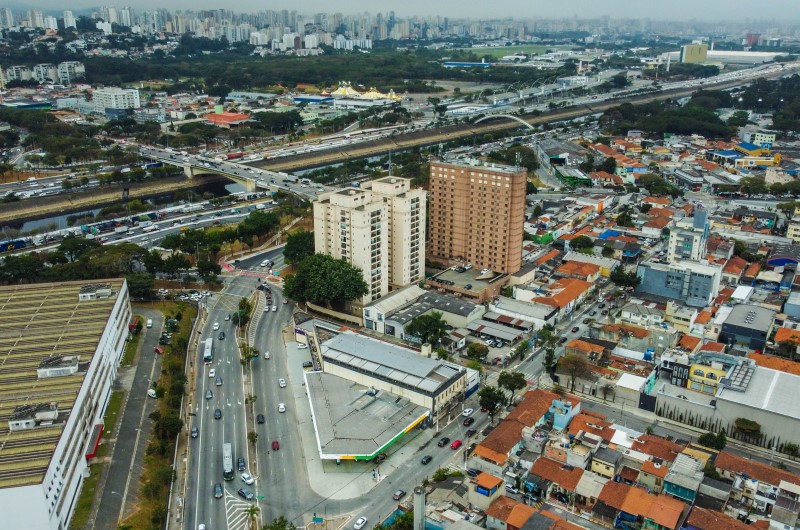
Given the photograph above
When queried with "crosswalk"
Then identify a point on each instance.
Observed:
(236, 512)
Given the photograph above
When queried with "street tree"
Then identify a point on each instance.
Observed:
(252, 511)
(581, 242)
(281, 523)
(625, 279)
(575, 366)
(477, 351)
(252, 437)
(429, 327)
(299, 246)
(326, 281)
(549, 360)
(511, 381)
(492, 399)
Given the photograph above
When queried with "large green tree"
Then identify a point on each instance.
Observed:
(575, 366)
(477, 351)
(326, 281)
(511, 381)
(299, 246)
(492, 399)
(429, 327)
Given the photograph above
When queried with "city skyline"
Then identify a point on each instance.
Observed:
(781, 10)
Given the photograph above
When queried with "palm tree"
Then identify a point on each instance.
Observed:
(252, 513)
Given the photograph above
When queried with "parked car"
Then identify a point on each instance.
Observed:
(472, 472)
(575, 329)
(443, 441)
(426, 460)
(308, 364)
(471, 432)
(511, 489)
(399, 494)
(562, 340)
(302, 346)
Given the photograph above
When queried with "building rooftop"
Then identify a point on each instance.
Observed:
(750, 316)
(44, 326)
(761, 389)
(389, 361)
(762, 472)
(478, 164)
(431, 302)
(396, 299)
(351, 423)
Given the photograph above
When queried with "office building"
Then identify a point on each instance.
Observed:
(693, 283)
(45, 73)
(6, 18)
(69, 71)
(35, 19)
(51, 22)
(379, 228)
(61, 345)
(69, 20)
(115, 98)
(694, 53)
(688, 240)
(477, 212)
(748, 325)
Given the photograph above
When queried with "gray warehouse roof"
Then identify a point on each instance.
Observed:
(373, 356)
(750, 316)
(764, 389)
(432, 301)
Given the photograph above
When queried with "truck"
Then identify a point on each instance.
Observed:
(151, 165)
(150, 228)
(233, 156)
(289, 178)
(260, 206)
(192, 207)
(145, 224)
(121, 229)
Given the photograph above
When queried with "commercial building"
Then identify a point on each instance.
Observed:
(689, 242)
(115, 98)
(692, 283)
(748, 325)
(477, 211)
(694, 53)
(61, 345)
(379, 228)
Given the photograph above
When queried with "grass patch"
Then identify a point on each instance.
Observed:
(501, 51)
(151, 503)
(112, 412)
(86, 499)
(132, 345)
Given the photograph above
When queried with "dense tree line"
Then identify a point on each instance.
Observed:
(665, 117)
(781, 97)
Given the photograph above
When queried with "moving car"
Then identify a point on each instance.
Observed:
(218, 381)
(218, 491)
(471, 432)
(360, 523)
(575, 329)
(240, 463)
(216, 326)
(467, 412)
(426, 460)
(245, 493)
(209, 394)
(212, 373)
(469, 421)
(456, 444)
(281, 407)
(247, 478)
(302, 346)
(221, 335)
(443, 441)
(275, 445)
(282, 383)
(399, 494)
(217, 414)
(260, 418)
(266, 355)
(195, 432)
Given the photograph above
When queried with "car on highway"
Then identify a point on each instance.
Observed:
(467, 412)
(245, 493)
(218, 491)
(468, 421)
(282, 383)
(218, 381)
(456, 444)
(575, 329)
(247, 478)
(266, 355)
(217, 414)
(275, 445)
(212, 373)
(209, 394)
(281, 407)
(260, 418)
(241, 465)
(399, 494)
(443, 441)
(195, 432)
(216, 326)
(426, 460)
(360, 523)
(221, 335)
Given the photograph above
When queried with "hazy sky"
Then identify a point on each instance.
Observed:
(656, 9)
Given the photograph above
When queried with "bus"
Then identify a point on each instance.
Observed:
(227, 462)
(208, 351)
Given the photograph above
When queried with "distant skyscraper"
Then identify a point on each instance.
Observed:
(126, 16)
(50, 22)
(69, 20)
(35, 18)
(6, 18)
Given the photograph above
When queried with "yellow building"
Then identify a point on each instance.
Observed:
(694, 53)
(704, 378)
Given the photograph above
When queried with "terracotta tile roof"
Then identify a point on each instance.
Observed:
(508, 433)
(565, 476)
(501, 507)
(735, 265)
(658, 470)
(586, 347)
(704, 317)
(564, 291)
(629, 474)
(784, 334)
(657, 447)
(603, 175)
(593, 423)
(689, 342)
(520, 514)
(660, 212)
(547, 257)
(578, 268)
(658, 222)
(635, 331)
(614, 493)
(775, 363)
(665, 511)
(488, 481)
(663, 201)
(703, 519)
(761, 524)
(762, 472)
(716, 347)
(624, 239)
(753, 270)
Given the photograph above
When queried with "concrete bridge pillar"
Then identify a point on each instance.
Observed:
(189, 171)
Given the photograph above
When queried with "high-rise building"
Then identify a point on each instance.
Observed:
(689, 239)
(477, 211)
(6, 18)
(35, 19)
(69, 20)
(115, 98)
(379, 228)
(126, 16)
(50, 22)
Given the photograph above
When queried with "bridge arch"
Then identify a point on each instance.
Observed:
(508, 116)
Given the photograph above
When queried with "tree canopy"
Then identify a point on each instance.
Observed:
(492, 399)
(299, 246)
(430, 327)
(326, 281)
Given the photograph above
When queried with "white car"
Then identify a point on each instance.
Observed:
(274, 308)
(216, 326)
(467, 412)
(484, 271)
(266, 355)
(212, 373)
(247, 478)
(264, 263)
(281, 407)
(282, 383)
(360, 522)
(302, 346)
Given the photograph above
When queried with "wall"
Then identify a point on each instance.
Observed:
(353, 319)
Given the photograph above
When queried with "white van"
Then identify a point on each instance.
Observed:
(151, 392)
(149, 322)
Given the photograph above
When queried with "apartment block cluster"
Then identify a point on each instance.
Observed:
(549, 449)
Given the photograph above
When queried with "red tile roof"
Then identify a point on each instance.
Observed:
(784, 334)
(564, 291)
(776, 363)
(762, 472)
(716, 347)
(488, 481)
(501, 508)
(519, 515)
(663, 201)
(565, 476)
(578, 268)
(547, 257)
(703, 519)
(689, 342)
(753, 270)
(735, 265)
(704, 317)
(591, 422)
(621, 328)
(658, 222)
(657, 447)
(658, 470)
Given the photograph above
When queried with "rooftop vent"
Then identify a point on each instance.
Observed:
(30, 416)
(95, 291)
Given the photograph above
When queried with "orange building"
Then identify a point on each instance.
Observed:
(476, 213)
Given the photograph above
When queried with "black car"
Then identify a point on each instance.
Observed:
(473, 472)
(221, 335)
(471, 432)
(245, 493)
(426, 460)
(586, 320)
(601, 306)
(562, 340)
(605, 311)
(217, 414)
(240, 463)
(592, 312)
(308, 364)
(468, 421)
(562, 498)
(444, 441)
(260, 418)
(399, 494)
(575, 329)
(195, 432)
(217, 490)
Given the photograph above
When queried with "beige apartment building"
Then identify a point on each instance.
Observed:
(379, 228)
(477, 211)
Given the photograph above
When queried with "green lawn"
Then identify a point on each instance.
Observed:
(110, 421)
(130, 350)
(500, 51)
(86, 498)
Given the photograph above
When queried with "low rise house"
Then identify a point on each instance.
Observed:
(755, 484)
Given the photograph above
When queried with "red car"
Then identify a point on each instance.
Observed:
(275, 445)
(456, 444)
